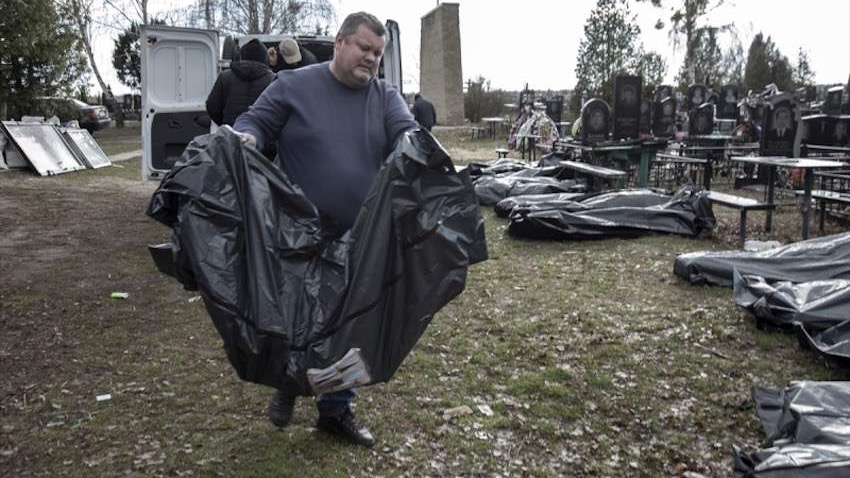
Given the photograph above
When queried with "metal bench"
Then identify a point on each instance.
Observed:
(501, 153)
(682, 166)
(478, 131)
(613, 175)
(742, 204)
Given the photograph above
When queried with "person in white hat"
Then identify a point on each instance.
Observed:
(292, 55)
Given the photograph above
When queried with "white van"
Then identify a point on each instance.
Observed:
(179, 67)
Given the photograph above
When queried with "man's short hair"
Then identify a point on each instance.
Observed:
(352, 23)
(417, 96)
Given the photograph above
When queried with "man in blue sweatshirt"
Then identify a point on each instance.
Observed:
(334, 122)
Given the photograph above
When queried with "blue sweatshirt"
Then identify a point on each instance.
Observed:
(331, 139)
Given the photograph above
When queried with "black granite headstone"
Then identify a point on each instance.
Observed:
(645, 123)
(780, 127)
(664, 120)
(841, 131)
(661, 92)
(526, 97)
(702, 121)
(832, 105)
(817, 129)
(555, 108)
(727, 103)
(697, 95)
(627, 92)
(595, 121)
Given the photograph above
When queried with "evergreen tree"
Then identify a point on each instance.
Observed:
(766, 65)
(126, 57)
(40, 54)
(609, 47)
(652, 67)
(803, 73)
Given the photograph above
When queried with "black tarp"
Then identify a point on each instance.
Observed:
(808, 426)
(504, 207)
(492, 189)
(498, 166)
(817, 304)
(820, 258)
(285, 290)
(688, 212)
(832, 345)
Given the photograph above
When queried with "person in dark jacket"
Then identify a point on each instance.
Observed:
(237, 88)
(290, 56)
(424, 112)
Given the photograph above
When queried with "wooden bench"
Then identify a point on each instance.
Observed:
(825, 196)
(743, 204)
(613, 175)
(501, 153)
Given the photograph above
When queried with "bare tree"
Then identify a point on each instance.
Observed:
(81, 12)
(132, 11)
(248, 17)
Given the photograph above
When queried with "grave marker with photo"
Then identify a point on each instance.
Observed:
(595, 118)
(697, 95)
(627, 96)
(727, 107)
(664, 121)
(780, 127)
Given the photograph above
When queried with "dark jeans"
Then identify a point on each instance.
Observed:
(333, 404)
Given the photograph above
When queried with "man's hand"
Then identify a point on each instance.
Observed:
(248, 139)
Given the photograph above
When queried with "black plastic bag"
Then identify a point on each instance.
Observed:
(817, 304)
(808, 427)
(687, 213)
(286, 291)
(492, 189)
(832, 345)
(821, 258)
(504, 207)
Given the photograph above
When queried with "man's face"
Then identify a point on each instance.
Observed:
(782, 119)
(596, 119)
(357, 57)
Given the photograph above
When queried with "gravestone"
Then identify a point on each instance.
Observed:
(664, 121)
(817, 129)
(627, 106)
(555, 108)
(702, 121)
(645, 123)
(526, 97)
(727, 105)
(661, 92)
(832, 105)
(780, 126)
(594, 121)
(840, 131)
(697, 95)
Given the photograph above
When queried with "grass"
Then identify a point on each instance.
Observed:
(593, 357)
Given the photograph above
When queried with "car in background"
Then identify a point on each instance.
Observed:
(90, 117)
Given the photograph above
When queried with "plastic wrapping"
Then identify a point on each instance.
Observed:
(820, 258)
(286, 291)
(817, 304)
(492, 189)
(794, 461)
(688, 213)
(504, 207)
(832, 345)
(808, 426)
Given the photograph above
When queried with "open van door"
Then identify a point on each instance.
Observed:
(392, 56)
(179, 67)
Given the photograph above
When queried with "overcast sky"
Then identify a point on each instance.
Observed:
(536, 41)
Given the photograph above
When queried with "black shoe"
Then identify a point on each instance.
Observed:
(280, 408)
(346, 426)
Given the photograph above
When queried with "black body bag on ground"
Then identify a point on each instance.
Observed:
(817, 304)
(618, 214)
(832, 345)
(821, 258)
(808, 426)
(299, 305)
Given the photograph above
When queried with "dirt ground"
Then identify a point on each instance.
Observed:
(588, 375)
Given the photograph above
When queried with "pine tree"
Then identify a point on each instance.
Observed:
(610, 46)
(40, 54)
